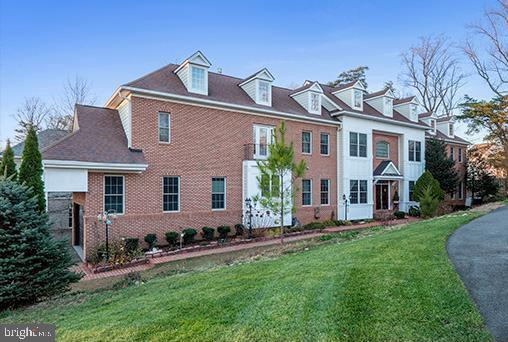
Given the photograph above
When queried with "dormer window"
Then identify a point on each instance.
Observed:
(414, 109)
(450, 129)
(309, 96)
(315, 104)
(193, 73)
(259, 87)
(433, 125)
(198, 79)
(358, 98)
(388, 106)
(263, 92)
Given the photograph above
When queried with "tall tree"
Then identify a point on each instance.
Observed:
(492, 117)
(7, 164)
(355, 74)
(440, 166)
(30, 170)
(277, 194)
(32, 113)
(480, 180)
(490, 60)
(432, 69)
(34, 266)
(75, 91)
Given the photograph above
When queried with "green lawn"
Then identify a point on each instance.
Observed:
(390, 286)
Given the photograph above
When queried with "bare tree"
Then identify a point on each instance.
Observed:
(491, 60)
(433, 70)
(32, 112)
(76, 91)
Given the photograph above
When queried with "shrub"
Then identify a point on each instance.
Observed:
(188, 235)
(223, 231)
(399, 214)
(208, 233)
(151, 240)
(33, 265)
(239, 229)
(428, 203)
(414, 211)
(342, 223)
(172, 238)
(427, 180)
(131, 244)
(329, 223)
(315, 225)
(118, 254)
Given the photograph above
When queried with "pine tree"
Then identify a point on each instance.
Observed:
(440, 165)
(30, 171)
(7, 164)
(34, 266)
(425, 181)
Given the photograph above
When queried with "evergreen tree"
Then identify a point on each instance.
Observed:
(30, 171)
(7, 164)
(356, 74)
(427, 181)
(33, 265)
(440, 165)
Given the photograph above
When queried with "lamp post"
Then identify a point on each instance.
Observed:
(248, 204)
(105, 217)
(344, 198)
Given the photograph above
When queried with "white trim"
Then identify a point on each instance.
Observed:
(374, 118)
(74, 164)
(104, 192)
(356, 85)
(191, 59)
(307, 205)
(328, 144)
(310, 142)
(270, 77)
(179, 197)
(314, 85)
(159, 127)
(225, 203)
(232, 107)
(375, 150)
(386, 167)
(329, 183)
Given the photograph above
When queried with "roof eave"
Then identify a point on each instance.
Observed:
(375, 118)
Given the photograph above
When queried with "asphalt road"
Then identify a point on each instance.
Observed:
(479, 251)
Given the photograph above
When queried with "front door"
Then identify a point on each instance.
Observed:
(77, 214)
(382, 197)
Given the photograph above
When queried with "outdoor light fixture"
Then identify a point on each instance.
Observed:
(345, 199)
(248, 204)
(105, 217)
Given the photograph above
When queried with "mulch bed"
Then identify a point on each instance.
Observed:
(106, 268)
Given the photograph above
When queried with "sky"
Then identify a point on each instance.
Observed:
(45, 43)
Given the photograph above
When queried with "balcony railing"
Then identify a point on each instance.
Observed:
(255, 151)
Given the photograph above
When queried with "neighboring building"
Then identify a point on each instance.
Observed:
(443, 128)
(494, 155)
(178, 148)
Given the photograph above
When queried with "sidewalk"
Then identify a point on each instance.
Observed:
(275, 241)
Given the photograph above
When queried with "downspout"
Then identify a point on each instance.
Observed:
(337, 195)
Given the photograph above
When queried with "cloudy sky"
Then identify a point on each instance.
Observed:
(45, 43)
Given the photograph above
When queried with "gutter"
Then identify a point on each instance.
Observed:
(74, 164)
(374, 118)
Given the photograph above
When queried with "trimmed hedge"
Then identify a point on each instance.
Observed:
(208, 233)
(172, 238)
(188, 235)
(151, 240)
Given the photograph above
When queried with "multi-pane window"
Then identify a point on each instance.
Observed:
(171, 194)
(325, 191)
(314, 102)
(270, 186)
(113, 194)
(306, 192)
(450, 128)
(357, 98)
(460, 190)
(411, 190)
(414, 108)
(358, 191)
(388, 106)
(452, 153)
(264, 92)
(460, 155)
(198, 78)
(357, 144)
(218, 193)
(324, 144)
(382, 148)
(306, 142)
(415, 151)
(164, 131)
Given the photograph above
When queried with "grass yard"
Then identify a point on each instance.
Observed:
(393, 286)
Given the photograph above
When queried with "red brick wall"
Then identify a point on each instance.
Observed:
(205, 143)
(461, 171)
(393, 140)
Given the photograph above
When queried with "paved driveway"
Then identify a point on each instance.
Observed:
(479, 251)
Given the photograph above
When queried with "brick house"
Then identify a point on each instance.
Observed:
(178, 148)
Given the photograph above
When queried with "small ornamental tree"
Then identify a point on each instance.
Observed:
(33, 265)
(30, 170)
(440, 165)
(7, 164)
(427, 180)
(428, 202)
(280, 165)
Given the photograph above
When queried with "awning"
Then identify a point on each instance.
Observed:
(387, 170)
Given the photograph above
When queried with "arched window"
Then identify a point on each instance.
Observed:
(382, 148)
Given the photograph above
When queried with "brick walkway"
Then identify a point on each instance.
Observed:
(91, 276)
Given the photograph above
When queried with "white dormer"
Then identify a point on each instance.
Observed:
(352, 95)
(310, 97)
(429, 119)
(382, 101)
(408, 107)
(194, 73)
(446, 125)
(259, 87)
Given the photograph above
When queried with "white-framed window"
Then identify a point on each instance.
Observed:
(461, 190)
(114, 197)
(198, 79)
(357, 144)
(315, 102)
(263, 136)
(218, 193)
(414, 109)
(415, 151)
(306, 192)
(388, 107)
(306, 142)
(164, 127)
(460, 155)
(270, 186)
(325, 192)
(324, 144)
(171, 194)
(450, 129)
(263, 92)
(382, 149)
(411, 190)
(452, 153)
(357, 98)
(358, 191)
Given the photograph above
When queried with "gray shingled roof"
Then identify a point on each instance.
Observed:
(46, 138)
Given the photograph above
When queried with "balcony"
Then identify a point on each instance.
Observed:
(255, 151)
